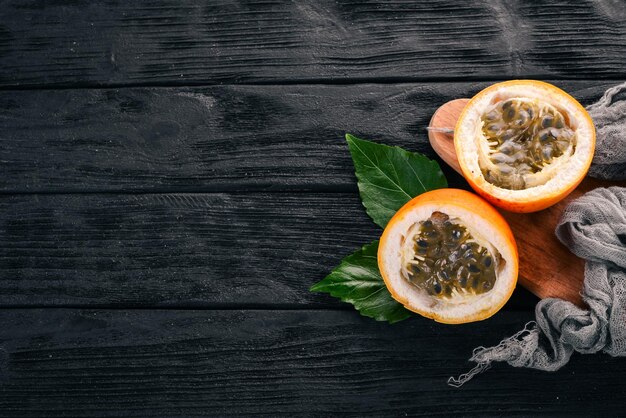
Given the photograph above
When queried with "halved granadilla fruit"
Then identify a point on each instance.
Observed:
(524, 145)
(450, 256)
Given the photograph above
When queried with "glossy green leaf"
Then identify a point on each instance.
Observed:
(357, 280)
(388, 177)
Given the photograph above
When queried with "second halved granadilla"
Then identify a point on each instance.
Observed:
(450, 256)
(524, 144)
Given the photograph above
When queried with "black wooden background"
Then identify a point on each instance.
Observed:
(174, 178)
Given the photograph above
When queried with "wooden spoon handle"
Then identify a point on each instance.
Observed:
(443, 142)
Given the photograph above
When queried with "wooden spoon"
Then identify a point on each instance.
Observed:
(547, 267)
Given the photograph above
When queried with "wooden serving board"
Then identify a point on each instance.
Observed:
(547, 267)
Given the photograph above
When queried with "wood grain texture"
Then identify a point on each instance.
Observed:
(189, 249)
(202, 250)
(57, 363)
(223, 138)
(78, 43)
(547, 268)
(122, 235)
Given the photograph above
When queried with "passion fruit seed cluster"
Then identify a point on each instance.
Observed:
(447, 261)
(523, 136)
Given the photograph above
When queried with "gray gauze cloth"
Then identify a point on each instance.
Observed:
(594, 228)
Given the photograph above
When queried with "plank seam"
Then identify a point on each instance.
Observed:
(307, 82)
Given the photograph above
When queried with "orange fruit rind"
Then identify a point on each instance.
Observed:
(448, 300)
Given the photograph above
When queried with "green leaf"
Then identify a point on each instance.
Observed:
(388, 177)
(357, 280)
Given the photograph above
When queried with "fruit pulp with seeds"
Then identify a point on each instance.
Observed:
(523, 136)
(445, 260)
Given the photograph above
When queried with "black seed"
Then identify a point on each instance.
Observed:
(510, 114)
(441, 268)
(435, 252)
(507, 104)
(559, 124)
(437, 288)
(554, 132)
(547, 154)
(498, 157)
(475, 282)
(487, 285)
(561, 145)
(453, 256)
(544, 137)
(451, 245)
(462, 273)
(473, 268)
(547, 122)
(508, 135)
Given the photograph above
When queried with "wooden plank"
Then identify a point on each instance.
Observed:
(191, 249)
(317, 363)
(177, 249)
(173, 41)
(222, 138)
